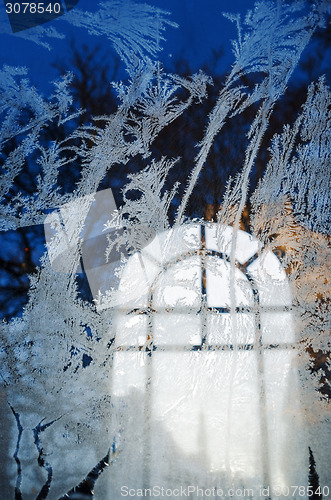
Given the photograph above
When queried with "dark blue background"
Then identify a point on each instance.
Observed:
(202, 30)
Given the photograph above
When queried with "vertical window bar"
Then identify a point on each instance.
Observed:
(204, 307)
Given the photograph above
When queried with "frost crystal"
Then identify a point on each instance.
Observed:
(196, 361)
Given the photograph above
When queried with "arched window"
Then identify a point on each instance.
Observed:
(204, 364)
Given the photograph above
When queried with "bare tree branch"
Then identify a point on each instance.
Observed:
(18, 493)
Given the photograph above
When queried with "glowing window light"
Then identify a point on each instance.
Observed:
(204, 369)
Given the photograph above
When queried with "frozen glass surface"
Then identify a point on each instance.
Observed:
(164, 267)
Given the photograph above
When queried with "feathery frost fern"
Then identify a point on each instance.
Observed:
(63, 361)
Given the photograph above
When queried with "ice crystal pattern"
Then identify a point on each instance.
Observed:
(193, 363)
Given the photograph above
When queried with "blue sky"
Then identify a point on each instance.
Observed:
(202, 29)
